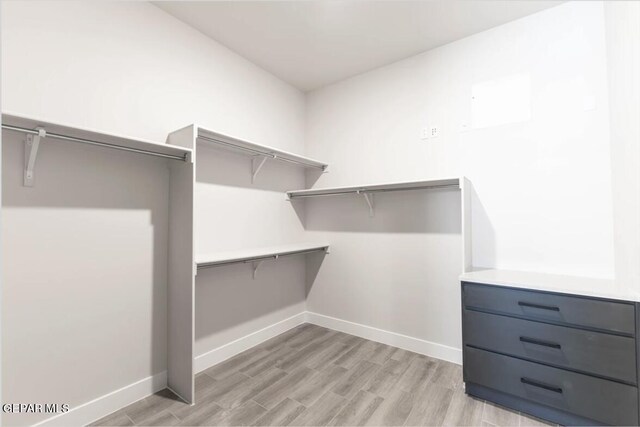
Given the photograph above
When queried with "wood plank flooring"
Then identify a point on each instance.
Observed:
(313, 376)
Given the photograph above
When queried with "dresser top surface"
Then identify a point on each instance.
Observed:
(585, 286)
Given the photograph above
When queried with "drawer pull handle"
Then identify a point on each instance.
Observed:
(540, 306)
(541, 342)
(538, 384)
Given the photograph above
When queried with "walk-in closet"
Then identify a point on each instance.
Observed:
(320, 213)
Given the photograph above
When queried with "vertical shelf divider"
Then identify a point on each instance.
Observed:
(466, 199)
(181, 270)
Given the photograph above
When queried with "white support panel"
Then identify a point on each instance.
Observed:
(254, 255)
(466, 198)
(184, 138)
(83, 136)
(249, 148)
(181, 269)
(377, 188)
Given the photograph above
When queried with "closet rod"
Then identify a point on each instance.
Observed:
(259, 258)
(365, 190)
(98, 143)
(260, 153)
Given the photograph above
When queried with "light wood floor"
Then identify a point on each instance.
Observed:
(312, 376)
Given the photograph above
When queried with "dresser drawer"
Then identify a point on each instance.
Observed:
(597, 399)
(593, 352)
(561, 309)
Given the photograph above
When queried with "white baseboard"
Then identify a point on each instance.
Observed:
(89, 412)
(226, 351)
(417, 345)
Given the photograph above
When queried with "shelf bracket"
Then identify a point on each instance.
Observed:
(31, 146)
(256, 265)
(369, 199)
(256, 164)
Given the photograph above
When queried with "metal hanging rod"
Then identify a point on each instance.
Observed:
(261, 153)
(259, 258)
(293, 195)
(98, 143)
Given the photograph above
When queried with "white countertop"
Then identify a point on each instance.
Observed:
(591, 287)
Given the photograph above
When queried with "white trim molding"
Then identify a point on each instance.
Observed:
(95, 409)
(102, 406)
(226, 351)
(417, 345)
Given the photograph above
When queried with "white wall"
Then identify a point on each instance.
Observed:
(623, 54)
(82, 319)
(543, 186)
(84, 283)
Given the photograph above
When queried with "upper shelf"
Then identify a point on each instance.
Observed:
(377, 188)
(78, 135)
(37, 131)
(257, 254)
(231, 143)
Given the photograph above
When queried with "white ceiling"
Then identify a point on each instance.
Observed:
(313, 43)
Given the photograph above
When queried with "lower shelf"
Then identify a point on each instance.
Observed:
(257, 254)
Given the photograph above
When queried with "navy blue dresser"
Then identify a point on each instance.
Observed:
(570, 359)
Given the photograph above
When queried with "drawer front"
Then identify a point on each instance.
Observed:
(568, 310)
(593, 352)
(601, 400)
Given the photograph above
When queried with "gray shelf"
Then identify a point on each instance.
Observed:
(376, 188)
(257, 254)
(228, 142)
